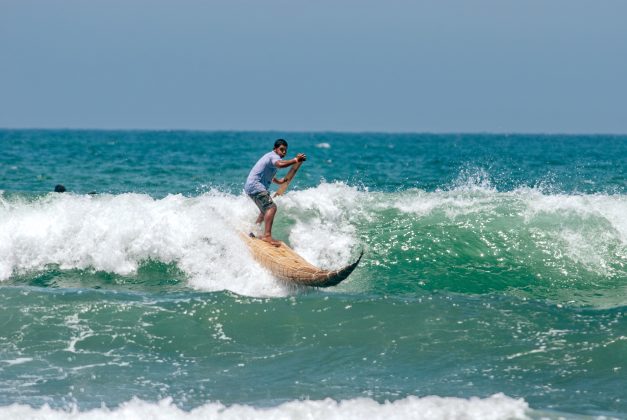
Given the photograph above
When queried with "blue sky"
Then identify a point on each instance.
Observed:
(551, 66)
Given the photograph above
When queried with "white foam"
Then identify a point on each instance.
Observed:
(495, 407)
(452, 203)
(612, 208)
(471, 192)
(324, 232)
(592, 229)
(115, 233)
(17, 361)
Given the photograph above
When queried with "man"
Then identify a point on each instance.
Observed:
(259, 180)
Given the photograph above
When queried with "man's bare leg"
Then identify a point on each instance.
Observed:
(268, 219)
(259, 218)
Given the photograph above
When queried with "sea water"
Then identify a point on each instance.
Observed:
(493, 283)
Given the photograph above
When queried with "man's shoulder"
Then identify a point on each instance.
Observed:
(271, 157)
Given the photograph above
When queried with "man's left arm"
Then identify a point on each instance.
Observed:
(301, 157)
(279, 180)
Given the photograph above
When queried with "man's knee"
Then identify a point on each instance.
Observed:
(271, 210)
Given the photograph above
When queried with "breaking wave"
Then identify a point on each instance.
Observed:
(468, 239)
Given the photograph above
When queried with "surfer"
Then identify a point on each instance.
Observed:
(259, 180)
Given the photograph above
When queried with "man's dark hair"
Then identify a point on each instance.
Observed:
(59, 188)
(279, 143)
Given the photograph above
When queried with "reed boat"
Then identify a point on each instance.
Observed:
(285, 264)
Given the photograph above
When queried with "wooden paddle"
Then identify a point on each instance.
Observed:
(288, 178)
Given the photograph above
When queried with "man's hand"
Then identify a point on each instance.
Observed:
(301, 157)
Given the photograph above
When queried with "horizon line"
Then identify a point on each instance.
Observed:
(400, 132)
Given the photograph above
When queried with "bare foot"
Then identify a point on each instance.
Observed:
(269, 239)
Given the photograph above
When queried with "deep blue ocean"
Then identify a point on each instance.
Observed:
(493, 283)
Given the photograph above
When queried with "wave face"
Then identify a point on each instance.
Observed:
(493, 282)
(571, 249)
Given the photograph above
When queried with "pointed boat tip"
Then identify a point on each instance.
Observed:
(353, 265)
(342, 274)
(361, 254)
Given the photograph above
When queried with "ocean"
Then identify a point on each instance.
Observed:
(493, 283)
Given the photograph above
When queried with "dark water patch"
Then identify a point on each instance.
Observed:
(150, 276)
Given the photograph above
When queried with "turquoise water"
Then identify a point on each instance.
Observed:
(494, 278)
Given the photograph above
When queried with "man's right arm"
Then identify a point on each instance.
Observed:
(301, 157)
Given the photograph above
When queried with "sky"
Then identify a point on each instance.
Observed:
(532, 66)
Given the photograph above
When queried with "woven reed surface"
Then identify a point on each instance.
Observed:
(286, 264)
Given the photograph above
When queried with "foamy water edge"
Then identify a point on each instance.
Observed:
(495, 407)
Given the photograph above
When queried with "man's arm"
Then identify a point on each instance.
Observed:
(301, 157)
(279, 180)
